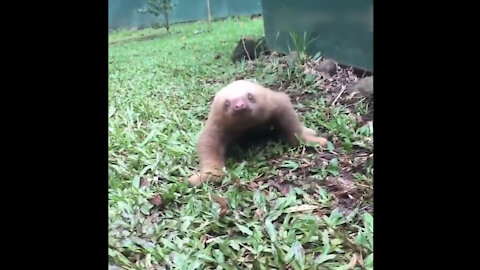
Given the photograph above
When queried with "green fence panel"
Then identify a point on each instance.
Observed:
(340, 29)
(125, 14)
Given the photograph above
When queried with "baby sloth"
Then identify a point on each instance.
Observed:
(238, 109)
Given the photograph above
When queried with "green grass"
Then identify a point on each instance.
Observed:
(159, 96)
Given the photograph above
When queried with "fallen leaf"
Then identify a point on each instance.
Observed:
(359, 118)
(156, 200)
(223, 204)
(259, 213)
(144, 183)
(284, 189)
(360, 260)
(352, 262)
(299, 208)
(253, 185)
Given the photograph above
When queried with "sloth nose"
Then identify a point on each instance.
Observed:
(240, 106)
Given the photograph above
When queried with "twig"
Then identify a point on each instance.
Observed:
(248, 55)
(362, 185)
(353, 104)
(339, 94)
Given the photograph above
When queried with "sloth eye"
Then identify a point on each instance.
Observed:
(227, 103)
(250, 97)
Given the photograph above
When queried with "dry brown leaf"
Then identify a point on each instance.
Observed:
(319, 212)
(352, 262)
(253, 185)
(303, 207)
(359, 119)
(360, 260)
(156, 200)
(284, 189)
(259, 213)
(144, 183)
(223, 204)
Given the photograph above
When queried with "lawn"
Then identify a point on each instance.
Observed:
(278, 208)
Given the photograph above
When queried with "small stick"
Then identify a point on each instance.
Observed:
(248, 55)
(339, 94)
